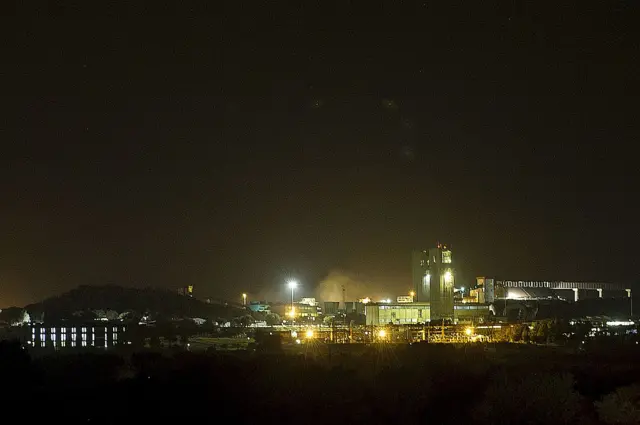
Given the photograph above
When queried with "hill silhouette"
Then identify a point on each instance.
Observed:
(159, 304)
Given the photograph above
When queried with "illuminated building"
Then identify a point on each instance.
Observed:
(261, 306)
(380, 314)
(299, 310)
(528, 289)
(397, 314)
(79, 335)
(187, 291)
(433, 280)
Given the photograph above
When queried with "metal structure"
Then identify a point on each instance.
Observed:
(560, 285)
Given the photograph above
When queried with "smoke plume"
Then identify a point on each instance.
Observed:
(356, 287)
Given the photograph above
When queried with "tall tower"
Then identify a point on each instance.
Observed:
(433, 280)
(419, 272)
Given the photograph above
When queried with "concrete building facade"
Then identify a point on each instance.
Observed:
(434, 280)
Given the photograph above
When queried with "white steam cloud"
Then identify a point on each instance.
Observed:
(356, 287)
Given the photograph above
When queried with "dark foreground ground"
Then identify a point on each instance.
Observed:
(378, 384)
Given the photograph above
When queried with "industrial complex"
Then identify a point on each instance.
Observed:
(434, 310)
(435, 299)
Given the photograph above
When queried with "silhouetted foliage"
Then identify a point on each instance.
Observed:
(621, 407)
(533, 398)
(354, 383)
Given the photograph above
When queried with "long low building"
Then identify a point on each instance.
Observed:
(90, 334)
(378, 314)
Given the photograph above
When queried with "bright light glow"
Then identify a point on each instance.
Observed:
(309, 333)
(448, 276)
(462, 289)
(617, 323)
(297, 341)
(294, 334)
(292, 284)
(413, 294)
(366, 300)
(468, 331)
(292, 313)
(382, 333)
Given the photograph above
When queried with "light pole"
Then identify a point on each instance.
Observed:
(292, 285)
(244, 300)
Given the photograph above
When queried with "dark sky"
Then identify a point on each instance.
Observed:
(230, 146)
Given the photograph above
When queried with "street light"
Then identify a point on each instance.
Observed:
(292, 285)
(244, 299)
(382, 333)
(412, 294)
(309, 333)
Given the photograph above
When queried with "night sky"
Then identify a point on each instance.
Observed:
(231, 146)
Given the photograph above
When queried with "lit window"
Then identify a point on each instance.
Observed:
(53, 337)
(115, 329)
(446, 257)
(73, 343)
(63, 330)
(84, 343)
(53, 330)
(74, 337)
(115, 337)
(84, 330)
(63, 344)
(42, 343)
(42, 331)
(84, 337)
(73, 330)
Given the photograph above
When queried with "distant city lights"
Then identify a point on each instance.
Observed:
(620, 323)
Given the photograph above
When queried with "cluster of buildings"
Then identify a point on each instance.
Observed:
(435, 298)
